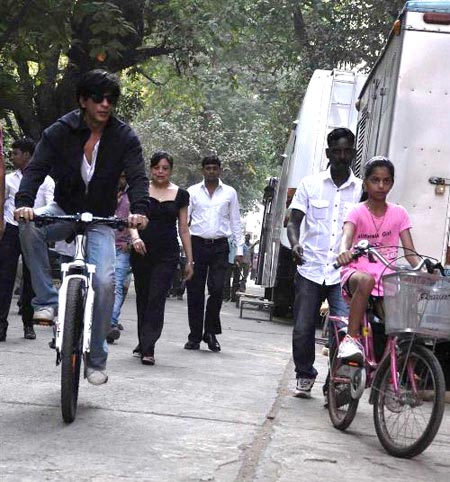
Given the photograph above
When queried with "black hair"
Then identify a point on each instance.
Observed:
(378, 161)
(26, 144)
(339, 132)
(158, 155)
(98, 81)
(211, 160)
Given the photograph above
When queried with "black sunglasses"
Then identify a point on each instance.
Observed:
(98, 98)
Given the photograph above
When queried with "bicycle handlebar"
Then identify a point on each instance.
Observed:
(81, 218)
(364, 247)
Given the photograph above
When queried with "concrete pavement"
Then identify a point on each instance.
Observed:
(194, 416)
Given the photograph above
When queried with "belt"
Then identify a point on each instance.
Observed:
(209, 240)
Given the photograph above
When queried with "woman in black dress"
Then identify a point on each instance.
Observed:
(156, 251)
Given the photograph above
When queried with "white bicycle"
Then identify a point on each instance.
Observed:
(76, 302)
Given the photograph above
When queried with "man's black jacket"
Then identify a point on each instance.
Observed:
(59, 154)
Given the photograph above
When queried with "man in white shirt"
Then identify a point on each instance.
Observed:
(10, 248)
(214, 217)
(322, 200)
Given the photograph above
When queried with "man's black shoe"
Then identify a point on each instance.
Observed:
(28, 333)
(3, 330)
(212, 342)
(113, 334)
(192, 345)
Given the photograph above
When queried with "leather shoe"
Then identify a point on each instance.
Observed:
(3, 330)
(211, 340)
(192, 345)
(28, 333)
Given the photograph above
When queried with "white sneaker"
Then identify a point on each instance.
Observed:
(96, 377)
(351, 350)
(303, 387)
(44, 315)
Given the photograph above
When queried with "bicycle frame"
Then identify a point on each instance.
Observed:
(371, 365)
(86, 274)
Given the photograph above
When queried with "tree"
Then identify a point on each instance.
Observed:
(45, 45)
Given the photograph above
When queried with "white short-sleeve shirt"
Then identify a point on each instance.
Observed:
(325, 206)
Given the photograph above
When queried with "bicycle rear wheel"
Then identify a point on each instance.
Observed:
(406, 423)
(72, 349)
(341, 406)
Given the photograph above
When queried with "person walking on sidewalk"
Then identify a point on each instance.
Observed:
(323, 200)
(123, 269)
(2, 184)
(85, 150)
(156, 253)
(10, 248)
(214, 217)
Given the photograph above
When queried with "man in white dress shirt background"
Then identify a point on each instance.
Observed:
(10, 248)
(214, 217)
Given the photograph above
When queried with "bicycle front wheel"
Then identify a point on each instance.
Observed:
(407, 422)
(341, 406)
(72, 349)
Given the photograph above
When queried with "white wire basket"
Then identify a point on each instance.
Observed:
(417, 302)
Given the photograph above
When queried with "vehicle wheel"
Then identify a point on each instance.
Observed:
(407, 423)
(341, 406)
(72, 349)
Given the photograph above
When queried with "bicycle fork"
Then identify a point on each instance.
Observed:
(89, 295)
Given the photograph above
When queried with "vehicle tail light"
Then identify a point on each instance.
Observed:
(437, 18)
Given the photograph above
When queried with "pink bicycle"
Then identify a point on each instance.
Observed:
(407, 382)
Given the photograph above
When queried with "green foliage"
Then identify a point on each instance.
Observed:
(199, 76)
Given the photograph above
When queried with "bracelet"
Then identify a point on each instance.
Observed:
(190, 262)
(135, 239)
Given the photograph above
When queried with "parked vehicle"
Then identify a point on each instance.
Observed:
(404, 114)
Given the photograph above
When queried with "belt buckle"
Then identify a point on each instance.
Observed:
(209, 240)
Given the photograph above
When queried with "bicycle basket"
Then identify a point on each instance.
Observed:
(417, 303)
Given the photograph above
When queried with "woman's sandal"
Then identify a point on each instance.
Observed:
(148, 360)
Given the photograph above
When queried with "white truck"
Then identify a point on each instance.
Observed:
(404, 114)
(329, 102)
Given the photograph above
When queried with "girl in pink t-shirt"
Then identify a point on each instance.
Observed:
(383, 224)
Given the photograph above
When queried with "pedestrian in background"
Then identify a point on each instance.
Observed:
(123, 269)
(214, 217)
(233, 274)
(322, 200)
(10, 248)
(2, 184)
(156, 253)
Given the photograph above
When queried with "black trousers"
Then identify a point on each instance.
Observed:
(211, 264)
(153, 275)
(9, 255)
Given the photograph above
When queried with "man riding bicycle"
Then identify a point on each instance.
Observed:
(85, 152)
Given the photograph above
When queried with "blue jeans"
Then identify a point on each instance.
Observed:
(123, 272)
(100, 251)
(308, 299)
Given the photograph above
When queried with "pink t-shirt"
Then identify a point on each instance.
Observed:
(383, 233)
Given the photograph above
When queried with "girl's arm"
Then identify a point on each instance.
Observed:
(185, 236)
(408, 246)
(345, 254)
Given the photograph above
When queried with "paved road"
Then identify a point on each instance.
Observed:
(194, 416)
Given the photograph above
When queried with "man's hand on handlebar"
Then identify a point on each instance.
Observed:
(24, 214)
(137, 221)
